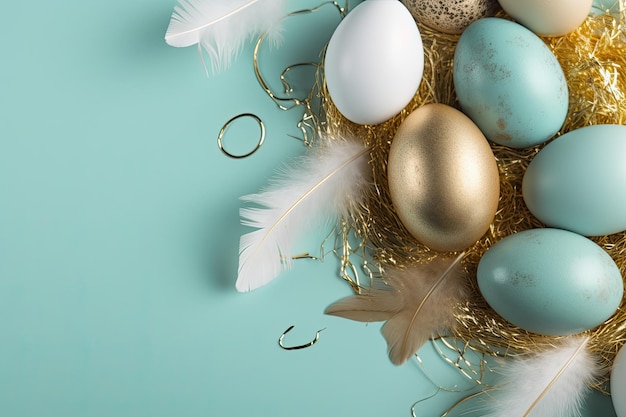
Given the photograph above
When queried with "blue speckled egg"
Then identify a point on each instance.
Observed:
(550, 281)
(509, 83)
(578, 181)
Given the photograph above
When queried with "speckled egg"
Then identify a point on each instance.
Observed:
(550, 281)
(450, 16)
(509, 83)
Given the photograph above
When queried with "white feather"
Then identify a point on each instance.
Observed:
(316, 188)
(552, 383)
(222, 27)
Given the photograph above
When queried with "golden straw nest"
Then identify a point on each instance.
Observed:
(593, 59)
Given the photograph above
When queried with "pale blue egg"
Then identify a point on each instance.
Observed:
(509, 83)
(618, 383)
(550, 281)
(578, 181)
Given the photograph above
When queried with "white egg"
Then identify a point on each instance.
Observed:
(618, 383)
(548, 18)
(374, 62)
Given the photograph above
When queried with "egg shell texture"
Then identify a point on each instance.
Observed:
(509, 83)
(443, 178)
(578, 181)
(548, 18)
(450, 16)
(550, 281)
(374, 62)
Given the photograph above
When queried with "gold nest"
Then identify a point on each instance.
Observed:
(593, 59)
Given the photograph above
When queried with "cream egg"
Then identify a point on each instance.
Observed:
(548, 18)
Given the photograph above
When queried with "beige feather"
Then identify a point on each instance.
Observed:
(419, 302)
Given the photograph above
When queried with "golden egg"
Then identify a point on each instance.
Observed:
(443, 178)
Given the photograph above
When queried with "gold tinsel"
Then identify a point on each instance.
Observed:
(593, 59)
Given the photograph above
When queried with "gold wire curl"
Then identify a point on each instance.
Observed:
(220, 136)
(298, 347)
(459, 359)
(476, 373)
(453, 407)
(593, 59)
(413, 413)
(310, 124)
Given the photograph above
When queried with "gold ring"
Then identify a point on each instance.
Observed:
(228, 123)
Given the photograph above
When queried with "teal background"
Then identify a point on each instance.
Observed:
(119, 234)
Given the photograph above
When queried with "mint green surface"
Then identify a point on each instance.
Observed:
(119, 235)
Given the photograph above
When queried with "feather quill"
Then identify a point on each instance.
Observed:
(221, 27)
(318, 187)
(417, 303)
(552, 383)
